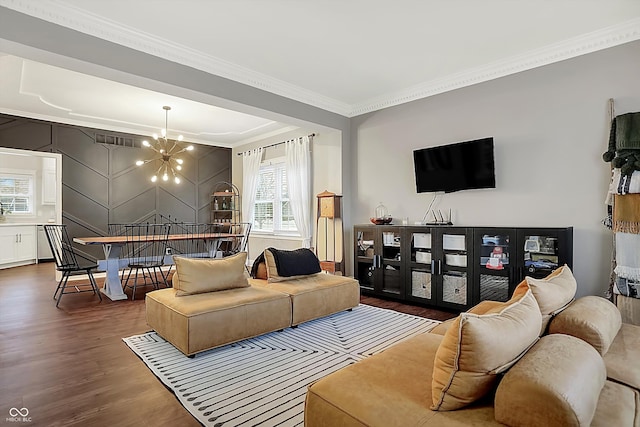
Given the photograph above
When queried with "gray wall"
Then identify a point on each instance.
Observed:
(550, 127)
(101, 183)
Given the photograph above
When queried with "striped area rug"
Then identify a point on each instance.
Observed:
(263, 381)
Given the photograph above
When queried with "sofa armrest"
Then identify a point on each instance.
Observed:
(592, 319)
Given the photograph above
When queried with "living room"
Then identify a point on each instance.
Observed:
(550, 125)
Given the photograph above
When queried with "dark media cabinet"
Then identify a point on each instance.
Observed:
(455, 267)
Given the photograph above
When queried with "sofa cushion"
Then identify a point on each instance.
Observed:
(195, 276)
(317, 295)
(618, 405)
(198, 322)
(553, 293)
(622, 358)
(286, 265)
(592, 319)
(477, 347)
(558, 382)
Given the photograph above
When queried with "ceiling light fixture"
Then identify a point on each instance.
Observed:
(168, 149)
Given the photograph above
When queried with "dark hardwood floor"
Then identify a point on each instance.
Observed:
(69, 367)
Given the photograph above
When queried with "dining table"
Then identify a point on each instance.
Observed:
(113, 263)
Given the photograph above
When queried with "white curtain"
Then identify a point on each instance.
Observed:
(250, 172)
(298, 166)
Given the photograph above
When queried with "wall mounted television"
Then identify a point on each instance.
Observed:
(461, 166)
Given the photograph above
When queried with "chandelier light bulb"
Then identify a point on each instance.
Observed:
(155, 136)
(154, 178)
(146, 143)
(180, 137)
(162, 151)
(190, 148)
(176, 180)
(139, 163)
(179, 168)
(163, 132)
(180, 161)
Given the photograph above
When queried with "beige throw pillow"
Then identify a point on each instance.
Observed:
(477, 347)
(554, 293)
(196, 276)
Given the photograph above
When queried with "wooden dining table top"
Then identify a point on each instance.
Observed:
(109, 240)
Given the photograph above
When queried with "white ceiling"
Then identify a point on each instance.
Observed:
(349, 57)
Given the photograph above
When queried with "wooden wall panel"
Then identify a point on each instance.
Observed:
(101, 183)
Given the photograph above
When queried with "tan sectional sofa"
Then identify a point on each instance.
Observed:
(561, 380)
(198, 314)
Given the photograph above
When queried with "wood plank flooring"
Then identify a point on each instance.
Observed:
(69, 366)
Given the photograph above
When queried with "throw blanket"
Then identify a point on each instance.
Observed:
(256, 264)
(624, 184)
(627, 287)
(625, 132)
(627, 256)
(626, 213)
(624, 143)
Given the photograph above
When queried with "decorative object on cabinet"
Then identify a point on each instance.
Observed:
(455, 267)
(330, 241)
(382, 216)
(225, 203)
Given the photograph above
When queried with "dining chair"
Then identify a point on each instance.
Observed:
(117, 229)
(237, 240)
(199, 243)
(68, 261)
(145, 251)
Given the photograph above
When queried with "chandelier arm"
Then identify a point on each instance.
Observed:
(181, 151)
(154, 148)
(175, 144)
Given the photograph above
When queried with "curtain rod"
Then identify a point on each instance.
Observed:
(275, 143)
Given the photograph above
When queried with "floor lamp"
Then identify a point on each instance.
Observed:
(329, 241)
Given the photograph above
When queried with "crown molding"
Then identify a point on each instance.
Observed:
(61, 13)
(587, 43)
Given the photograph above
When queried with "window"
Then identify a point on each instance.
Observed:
(272, 208)
(16, 192)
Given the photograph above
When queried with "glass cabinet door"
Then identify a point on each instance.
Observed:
(455, 279)
(391, 280)
(453, 268)
(495, 251)
(365, 256)
(420, 274)
(540, 255)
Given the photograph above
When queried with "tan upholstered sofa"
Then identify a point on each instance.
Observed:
(560, 380)
(213, 303)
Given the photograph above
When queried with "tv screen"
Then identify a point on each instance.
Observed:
(461, 166)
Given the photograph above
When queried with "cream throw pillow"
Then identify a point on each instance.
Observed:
(477, 347)
(554, 293)
(196, 276)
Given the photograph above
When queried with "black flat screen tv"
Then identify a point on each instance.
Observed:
(462, 166)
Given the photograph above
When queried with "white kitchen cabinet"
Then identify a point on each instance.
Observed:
(48, 181)
(17, 245)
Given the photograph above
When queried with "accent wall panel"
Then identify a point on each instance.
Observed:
(101, 183)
